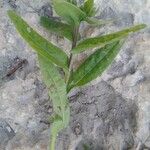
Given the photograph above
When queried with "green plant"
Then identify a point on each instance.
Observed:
(52, 59)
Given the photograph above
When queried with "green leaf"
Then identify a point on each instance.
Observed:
(105, 39)
(72, 1)
(57, 126)
(55, 84)
(97, 22)
(38, 43)
(88, 8)
(57, 91)
(69, 12)
(57, 27)
(95, 64)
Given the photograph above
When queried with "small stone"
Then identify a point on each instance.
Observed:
(78, 129)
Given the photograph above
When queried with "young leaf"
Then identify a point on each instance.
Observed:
(88, 7)
(95, 64)
(97, 22)
(38, 43)
(57, 27)
(69, 12)
(105, 39)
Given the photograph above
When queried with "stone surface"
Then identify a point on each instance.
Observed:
(6, 133)
(113, 112)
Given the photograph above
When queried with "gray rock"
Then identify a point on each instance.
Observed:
(98, 115)
(6, 133)
(121, 19)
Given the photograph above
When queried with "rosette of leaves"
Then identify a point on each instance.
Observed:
(52, 59)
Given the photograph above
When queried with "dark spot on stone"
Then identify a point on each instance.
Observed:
(126, 19)
(46, 11)
(108, 13)
(77, 129)
(89, 144)
(12, 3)
(122, 19)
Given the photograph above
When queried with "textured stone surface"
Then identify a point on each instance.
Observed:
(113, 112)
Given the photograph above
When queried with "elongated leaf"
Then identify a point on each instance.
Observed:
(57, 91)
(69, 12)
(105, 39)
(55, 84)
(57, 27)
(97, 22)
(38, 43)
(95, 64)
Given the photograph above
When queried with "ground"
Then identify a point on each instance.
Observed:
(111, 113)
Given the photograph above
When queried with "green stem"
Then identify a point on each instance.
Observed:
(52, 142)
(74, 43)
(75, 39)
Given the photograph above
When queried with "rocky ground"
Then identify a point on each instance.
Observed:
(112, 113)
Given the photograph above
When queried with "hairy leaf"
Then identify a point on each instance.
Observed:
(105, 39)
(69, 12)
(38, 43)
(95, 64)
(57, 27)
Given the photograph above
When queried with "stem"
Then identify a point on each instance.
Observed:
(52, 143)
(74, 43)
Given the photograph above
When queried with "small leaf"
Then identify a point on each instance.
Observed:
(88, 8)
(95, 64)
(54, 117)
(97, 22)
(38, 43)
(69, 12)
(57, 27)
(105, 39)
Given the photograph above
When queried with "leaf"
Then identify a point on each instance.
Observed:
(57, 91)
(57, 126)
(55, 84)
(105, 39)
(72, 1)
(95, 64)
(38, 43)
(97, 22)
(57, 27)
(69, 12)
(88, 8)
